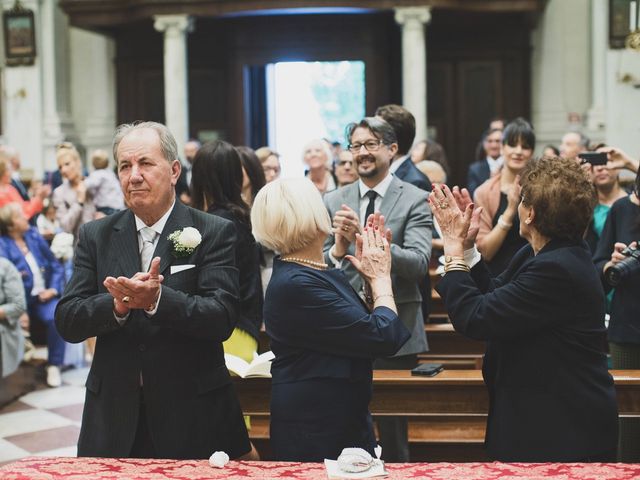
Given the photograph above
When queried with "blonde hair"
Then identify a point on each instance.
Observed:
(265, 152)
(100, 159)
(287, 215)
(67, 149)
(6, 216)
(433, 170)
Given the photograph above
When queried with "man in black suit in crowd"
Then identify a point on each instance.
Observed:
(480, 171)
(404, 124)
(183, 187)
(160, 309)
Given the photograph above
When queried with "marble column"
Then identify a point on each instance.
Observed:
(414, 63)
(176, 94)
(596, 117)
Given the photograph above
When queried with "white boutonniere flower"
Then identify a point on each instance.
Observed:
(184, 241)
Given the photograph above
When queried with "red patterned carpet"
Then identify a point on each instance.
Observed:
(43, 468)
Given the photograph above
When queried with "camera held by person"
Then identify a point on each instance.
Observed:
(627, 267)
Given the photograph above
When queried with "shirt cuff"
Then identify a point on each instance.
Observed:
(336, 263)
(151, 313)
(121, 320)
(472, 257)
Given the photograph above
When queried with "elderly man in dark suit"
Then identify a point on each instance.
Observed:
(373, 144)
(158, 286)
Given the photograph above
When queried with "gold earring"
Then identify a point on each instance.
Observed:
(527, 221)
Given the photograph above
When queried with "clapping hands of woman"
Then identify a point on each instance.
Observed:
(457, 216)
(372, 259)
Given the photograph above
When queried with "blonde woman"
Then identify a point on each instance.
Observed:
(323, 335)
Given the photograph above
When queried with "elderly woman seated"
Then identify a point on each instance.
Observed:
(551, 396)
(323, 335)
(42, 277)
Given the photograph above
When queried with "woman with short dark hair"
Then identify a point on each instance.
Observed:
(551, 397)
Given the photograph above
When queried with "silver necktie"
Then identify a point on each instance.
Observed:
(148, 235)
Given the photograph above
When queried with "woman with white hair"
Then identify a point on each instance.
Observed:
(318, 160)
(323, 335)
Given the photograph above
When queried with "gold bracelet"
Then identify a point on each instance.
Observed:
(459, 263)
(450, 258)
(375, 299)
(504, 225)
(456, 269)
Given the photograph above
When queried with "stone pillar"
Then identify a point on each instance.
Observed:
(93, 82)
(596, 117)
(414, 63)
(176, 95)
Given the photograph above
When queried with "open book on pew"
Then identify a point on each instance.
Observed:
(260, 366)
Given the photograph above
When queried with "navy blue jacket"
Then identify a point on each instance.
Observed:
(478, 173)
(551, 396)
(408, 172)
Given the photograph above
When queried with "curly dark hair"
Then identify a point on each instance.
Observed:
(561, 195)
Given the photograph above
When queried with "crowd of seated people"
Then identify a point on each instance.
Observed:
(527, 240)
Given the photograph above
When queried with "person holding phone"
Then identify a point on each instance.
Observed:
(551, 397)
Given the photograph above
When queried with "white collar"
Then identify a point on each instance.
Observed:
(396, 163)
(381, 188)
(159, 225)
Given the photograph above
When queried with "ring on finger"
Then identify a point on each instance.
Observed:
(345, 228)
(126, 299)
(443, 205)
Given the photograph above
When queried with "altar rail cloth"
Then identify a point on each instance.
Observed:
(48, 468)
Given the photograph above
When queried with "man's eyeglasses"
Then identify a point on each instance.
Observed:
(369, 145)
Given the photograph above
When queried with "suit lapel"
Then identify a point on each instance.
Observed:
(179, 219)
(125, 242)
(391, 197)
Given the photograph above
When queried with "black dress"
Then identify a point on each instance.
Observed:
(512, 243)
(324, 340)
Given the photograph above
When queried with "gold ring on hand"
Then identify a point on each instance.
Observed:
(126, 299)
(443, 205)
(345, 228)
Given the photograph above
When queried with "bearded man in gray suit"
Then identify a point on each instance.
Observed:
(373, 143)
(157, 285)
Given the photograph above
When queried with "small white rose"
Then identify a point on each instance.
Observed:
(218, 459)
(190, 237)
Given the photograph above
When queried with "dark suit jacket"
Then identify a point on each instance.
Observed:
(50, 267)
(408, 172)
(551, 396)
(324, 339)
(191, 406)
(479, 172)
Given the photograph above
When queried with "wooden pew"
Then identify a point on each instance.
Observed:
(447, 413)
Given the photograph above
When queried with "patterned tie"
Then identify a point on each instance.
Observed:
(148, 235)
(371, 206)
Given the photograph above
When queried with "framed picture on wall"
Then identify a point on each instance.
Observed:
(19, 37)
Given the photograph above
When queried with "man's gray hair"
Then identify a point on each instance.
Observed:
(168, 144)
(376, 125)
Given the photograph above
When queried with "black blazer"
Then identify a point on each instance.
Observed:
(479, 172)
(192, 409)
(408, 172)
(551, 396)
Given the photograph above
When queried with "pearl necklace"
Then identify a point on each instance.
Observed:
(311, 263)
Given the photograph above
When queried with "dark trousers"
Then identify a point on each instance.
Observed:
(394, 431)
(626, 356)
(143, 443)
